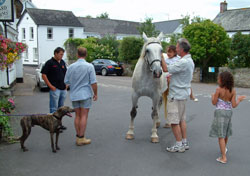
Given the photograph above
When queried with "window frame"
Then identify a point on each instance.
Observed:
(23, 34)
(71, 32)
(51, 33)
(31, 33)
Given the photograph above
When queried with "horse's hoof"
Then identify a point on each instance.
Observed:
(158, 124)
(130, 136)
(154, 139)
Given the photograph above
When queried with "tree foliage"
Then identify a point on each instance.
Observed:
(210, 43)
(104, 15)
(148, 28)
(130, 49)
(240, 50)
(112, 43)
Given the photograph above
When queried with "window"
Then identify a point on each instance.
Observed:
(26, 57)
(49, 33)
(31, 33)
(35, 55)
(23, 34)
(71, 32)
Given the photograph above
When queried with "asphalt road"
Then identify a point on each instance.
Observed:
(110, 154)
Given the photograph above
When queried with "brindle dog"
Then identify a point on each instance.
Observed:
(50, 122)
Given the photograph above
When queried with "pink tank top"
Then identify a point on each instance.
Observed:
(225, 105)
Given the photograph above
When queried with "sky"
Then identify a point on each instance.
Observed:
(139, 10)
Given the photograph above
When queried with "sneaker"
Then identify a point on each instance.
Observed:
(176, 148)
(82, 141)
(186, 145)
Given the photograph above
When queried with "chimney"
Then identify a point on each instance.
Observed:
(223, 7)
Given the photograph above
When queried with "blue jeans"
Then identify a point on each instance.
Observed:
(56, 99)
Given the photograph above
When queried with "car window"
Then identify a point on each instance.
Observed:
(95, 62)
(100, 62)
(110, 62)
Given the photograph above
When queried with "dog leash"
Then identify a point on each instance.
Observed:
(22, 114)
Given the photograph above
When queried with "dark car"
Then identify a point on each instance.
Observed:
(105, 67)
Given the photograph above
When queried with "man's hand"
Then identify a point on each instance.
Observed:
(53, 88)
(94, 97)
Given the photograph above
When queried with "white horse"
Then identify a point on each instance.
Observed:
(148, 80)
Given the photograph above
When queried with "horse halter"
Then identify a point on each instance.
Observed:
(156, 60)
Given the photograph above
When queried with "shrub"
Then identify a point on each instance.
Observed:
(130, 49)
(6, 106)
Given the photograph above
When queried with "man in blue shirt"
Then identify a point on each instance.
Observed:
(81, 78)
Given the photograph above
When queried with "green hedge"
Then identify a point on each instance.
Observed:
(130, 49)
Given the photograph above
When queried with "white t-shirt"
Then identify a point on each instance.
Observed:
(170, 61)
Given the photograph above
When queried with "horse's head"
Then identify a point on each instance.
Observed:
(152, 53)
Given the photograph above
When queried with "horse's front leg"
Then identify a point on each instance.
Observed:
(155, 117)
(158, 121)
(133, 112)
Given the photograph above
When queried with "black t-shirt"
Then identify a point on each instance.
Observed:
(55, 73)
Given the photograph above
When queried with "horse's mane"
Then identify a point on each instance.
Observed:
(152, 39)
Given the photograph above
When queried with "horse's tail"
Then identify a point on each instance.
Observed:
(164, 96)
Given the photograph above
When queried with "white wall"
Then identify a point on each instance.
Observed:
(27, 23)
(46, 46)
(16, 71)
(232, 33)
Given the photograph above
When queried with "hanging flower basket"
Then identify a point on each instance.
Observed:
(9, 52)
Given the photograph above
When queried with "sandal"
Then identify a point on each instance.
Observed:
(220, 161)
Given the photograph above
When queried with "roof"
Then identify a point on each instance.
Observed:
(234, 20)
(167, 27)
(53, 17)
(109, 26)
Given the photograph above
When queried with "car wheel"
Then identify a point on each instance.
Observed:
(104, 72)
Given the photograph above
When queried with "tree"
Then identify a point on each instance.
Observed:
(186, 20)
(88, 16)
(130, 48)
(104, 15)
(210, 43)
(148, 28)
(240, 50)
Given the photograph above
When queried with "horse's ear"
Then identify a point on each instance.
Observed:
(144, 36)
(160, 36)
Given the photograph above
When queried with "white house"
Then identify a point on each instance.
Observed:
(15, 73)
(234, 20)
(43, 30)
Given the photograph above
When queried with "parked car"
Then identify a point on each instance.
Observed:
(105, 67)
(39, 80)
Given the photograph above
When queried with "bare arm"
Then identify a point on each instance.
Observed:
(215, 96)
(48, 83)
(234, 102)
(163, 64)
(94, 87)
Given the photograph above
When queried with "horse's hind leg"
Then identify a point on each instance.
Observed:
(133, 112)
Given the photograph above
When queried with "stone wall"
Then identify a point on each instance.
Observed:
(241, 76)
(196, 75)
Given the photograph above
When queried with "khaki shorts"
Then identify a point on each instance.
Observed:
(176, 111)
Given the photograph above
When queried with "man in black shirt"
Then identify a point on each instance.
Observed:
(53, 74)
